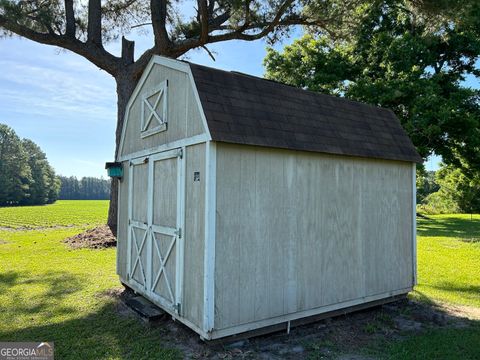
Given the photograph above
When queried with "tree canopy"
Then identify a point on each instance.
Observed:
(26, 177)
(179, 26)
(406, 60)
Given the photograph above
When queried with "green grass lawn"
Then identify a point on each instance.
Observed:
(448, 251)
(49, 292)
(449, 259)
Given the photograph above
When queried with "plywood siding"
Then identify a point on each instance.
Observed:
(192, 305)
(122, 228)
(183, 115)
(297, 231)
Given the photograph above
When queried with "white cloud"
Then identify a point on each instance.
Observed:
(41, 90)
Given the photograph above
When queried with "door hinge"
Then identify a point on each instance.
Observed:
(180, 153)
(177, 308)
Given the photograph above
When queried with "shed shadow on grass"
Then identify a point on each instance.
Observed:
(100, 335)
(51, 289)
(451, 227)
(108, 332)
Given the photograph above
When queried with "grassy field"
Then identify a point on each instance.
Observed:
(448, 250)
(79, 213)
(449, 259)
(49, 292)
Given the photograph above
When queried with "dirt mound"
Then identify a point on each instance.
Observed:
(97, 238)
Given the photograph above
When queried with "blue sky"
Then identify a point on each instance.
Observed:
(68, 106)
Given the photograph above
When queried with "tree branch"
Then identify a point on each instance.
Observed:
(97, 55)
(138, 66)
(215, 23)
(94, 29)
(69, 19)
(159, 24)
(128, 51)
(183, 46)
(203, 12)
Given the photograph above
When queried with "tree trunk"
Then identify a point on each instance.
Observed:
(125, 85)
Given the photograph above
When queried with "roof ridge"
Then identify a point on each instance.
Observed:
(316, 93)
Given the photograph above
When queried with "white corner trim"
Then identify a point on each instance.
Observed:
(209, 256)
(414, 223)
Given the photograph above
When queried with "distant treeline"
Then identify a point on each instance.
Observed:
(87, 188)
(26, 177)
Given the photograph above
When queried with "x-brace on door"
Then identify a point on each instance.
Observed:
(156, 207)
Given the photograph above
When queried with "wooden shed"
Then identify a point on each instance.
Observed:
(246, 203)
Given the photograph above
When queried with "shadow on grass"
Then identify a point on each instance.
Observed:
(467, 291)
(452, 227)
(47, 315)
(53, 287)
(104, 334)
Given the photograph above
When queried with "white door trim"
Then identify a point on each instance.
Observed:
(151, 229)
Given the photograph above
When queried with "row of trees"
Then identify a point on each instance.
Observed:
(87, 188)
(26, 177)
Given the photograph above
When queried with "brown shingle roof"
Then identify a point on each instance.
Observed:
(243, 109)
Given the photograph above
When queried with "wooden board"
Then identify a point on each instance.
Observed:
(192, 306)
(183, 115)
(297, 231)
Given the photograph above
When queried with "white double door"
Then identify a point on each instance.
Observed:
(156, 205)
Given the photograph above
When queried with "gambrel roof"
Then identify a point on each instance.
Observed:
(244, 109)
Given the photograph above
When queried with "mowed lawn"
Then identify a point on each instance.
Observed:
(49, 292)
(449, 259)
(448, 252)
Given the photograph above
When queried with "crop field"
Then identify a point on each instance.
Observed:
(64, 213)
(49, 292)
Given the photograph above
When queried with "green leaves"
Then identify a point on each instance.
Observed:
(398, 57)
(26, 177)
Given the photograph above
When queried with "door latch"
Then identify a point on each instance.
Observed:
(178, 232)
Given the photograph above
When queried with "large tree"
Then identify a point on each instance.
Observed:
(85, 29)
(15, 173)
(414, 62)
(26, 177)
(44, 186)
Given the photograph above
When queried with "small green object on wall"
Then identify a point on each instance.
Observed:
(114, 169)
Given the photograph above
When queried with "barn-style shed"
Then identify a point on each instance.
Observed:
(246, 203)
